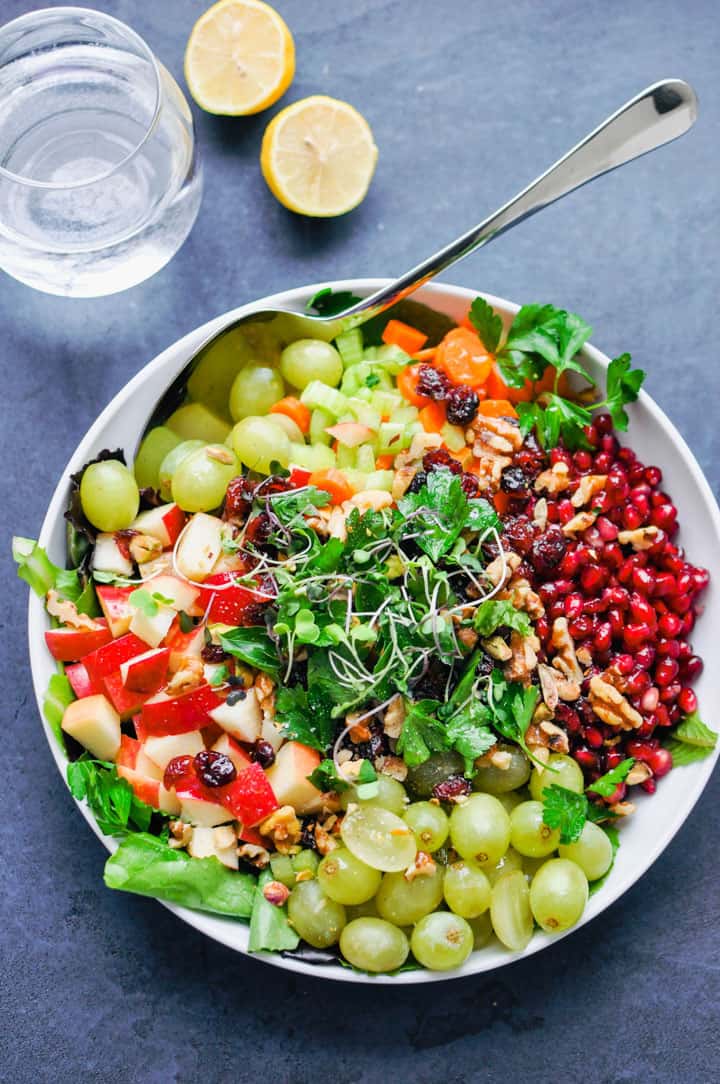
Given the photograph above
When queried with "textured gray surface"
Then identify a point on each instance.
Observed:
(468, 100)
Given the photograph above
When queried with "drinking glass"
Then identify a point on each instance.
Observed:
(100, 181)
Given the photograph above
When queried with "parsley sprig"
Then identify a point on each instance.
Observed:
(568, 811)
(114, 805)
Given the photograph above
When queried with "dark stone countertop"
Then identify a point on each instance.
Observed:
(468, 101)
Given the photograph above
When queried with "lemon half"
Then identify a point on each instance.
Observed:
(318, 157)
(240, 58)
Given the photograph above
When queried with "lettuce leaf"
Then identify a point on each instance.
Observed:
(39, 572)
(59, 694)
(146, 865)
(270, 930)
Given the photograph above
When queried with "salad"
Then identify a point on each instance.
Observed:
(377, 640)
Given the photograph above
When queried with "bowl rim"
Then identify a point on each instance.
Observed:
(204, 922)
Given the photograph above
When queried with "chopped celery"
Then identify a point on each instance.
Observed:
(454, 437)
(354, 378)
(370, 353)
(356, 479)
(365, 394)
(344, 456)
(312, 456)
(380, 479)
(405, 415)
(392, 358)
(393, 437)
(365, 458)
(282, 869)
(386, 402)
(318, 395)
(350, 346)
(365, 413)
(319, 421)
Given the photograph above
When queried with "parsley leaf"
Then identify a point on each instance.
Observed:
(306, 716)
(558, 418)
(287, 506)
(496, 613)
(623, 386)
(512, 706)
(252, 645)
(422, 734)
(487, 323)
(683, 753)
(607, 784)
(565, 810)
(111, 798)
(438, 512)
(329, 302)
(325, 777)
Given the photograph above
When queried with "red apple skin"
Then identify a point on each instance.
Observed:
(183, 644)
(125, 701)
(298, 477)
(251, 835)
(69, 645)
(116, 607)
(230, 605)
(250, 798)
(79, 679)
(128, 753)
(146, 675)
(107, 659)
(190, 711)
(147, 790)
(173, 522)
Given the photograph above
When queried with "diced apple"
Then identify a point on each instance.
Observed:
(177, 714)
(271, 733)
(125, 701)
(162, 750)
(69, 645)
(181, 594)
(197, 807)
(164, 523)
(115, 604)
(152, 628)
(109, 658)
(230, 748)
(199, 547)
(229, 603)
(184, 645)
(80, 680)
(158, 566)
(288, 777)
(94, 722)
(147, 672)
(250, 798)
(151, 791)
(109, 557)
(242, 719)
(251, 835)
(217, 843)
(132, 755)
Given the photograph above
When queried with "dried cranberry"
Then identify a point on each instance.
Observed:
(440, 457)
(263, 753)
(462, 405)
(452, 788)
(470, 485)
(547, 551)
(514, 480)
(432, 383)
(176, 769)
(212, 653)
(260, 528)
(214, 769)
(238, 497)
(520, 533)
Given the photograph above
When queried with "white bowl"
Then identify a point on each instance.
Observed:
(655, 439)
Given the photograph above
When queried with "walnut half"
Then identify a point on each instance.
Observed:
(611, 706)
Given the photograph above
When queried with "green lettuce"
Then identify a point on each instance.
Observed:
(269, 927)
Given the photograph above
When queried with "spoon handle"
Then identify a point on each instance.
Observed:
(657, 115)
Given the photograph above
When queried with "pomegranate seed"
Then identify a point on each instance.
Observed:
(603, 462)
(624, 664)
(635, 474)
(617, 621)
(649, 785)
(684, 650)
(568, 717)
(643, 581)
(573, 605)
(687, 700)
(552, 512)
(650, 700)
(603, 423)
(542, 627)
(638, 750)
(606, 529)
(557, 609)
(559, 455)
(668, 647)
(653, 476)
(664, 516)
(645, 657)
(592, 435)
(670, 625)
(566, 510)
(701, 578)
(674, 715)
(688, 623)
(570, 564)
(636, 634)
(618, 596)
(692, 667)
(681, 605)
(593, 737)
(633, 518)
(581, 627)
(595, 605)
(613, 757)
(662, 715)
(641, 609)
(626, 455)
(640, 490)
(583, 460)
(666, 671)
(608, 443)
(660, 762)
(626, 570)
(638, 682)
(685, 583)
(665, 584)
(586, 758)
(593, 578)
(647, 728)
(617, 795)
(603, 637)
(670, 693)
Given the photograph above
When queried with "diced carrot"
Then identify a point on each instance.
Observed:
(497, 408)
(408, 338)
(501, 501)
(498, 389)
(407, 380)
(463, 358)
(425, 355)
(333, 482)
(295, 410)
(464, 457)
(384, 462)
(433, 417)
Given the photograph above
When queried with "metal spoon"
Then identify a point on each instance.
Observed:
(657, 115)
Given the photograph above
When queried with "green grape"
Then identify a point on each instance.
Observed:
(294, 432)
(200, 480)
(510, 910)
(510, 800)
(155, 446)
(362, 910)
(194, 421)
(493, 780)
(441, 941)
(482, 930)
(172, 461)
(558, 894)
(480, 828)
(345, 879)
(467, 889)
(305, 860)
(314, 916)
(423, 777)
(592, 851)
(374, 945)
(560, 769)
(255, 389)
(510, 860)
(257, 443)
(529, 834)
(109, 495)
(379, 838)
(214, 373)
(429, 823)
(282, 870)
(404, 902)
(390, 795)
(311, 359)
(530, 866)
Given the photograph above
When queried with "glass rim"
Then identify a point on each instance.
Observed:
(145, 50)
